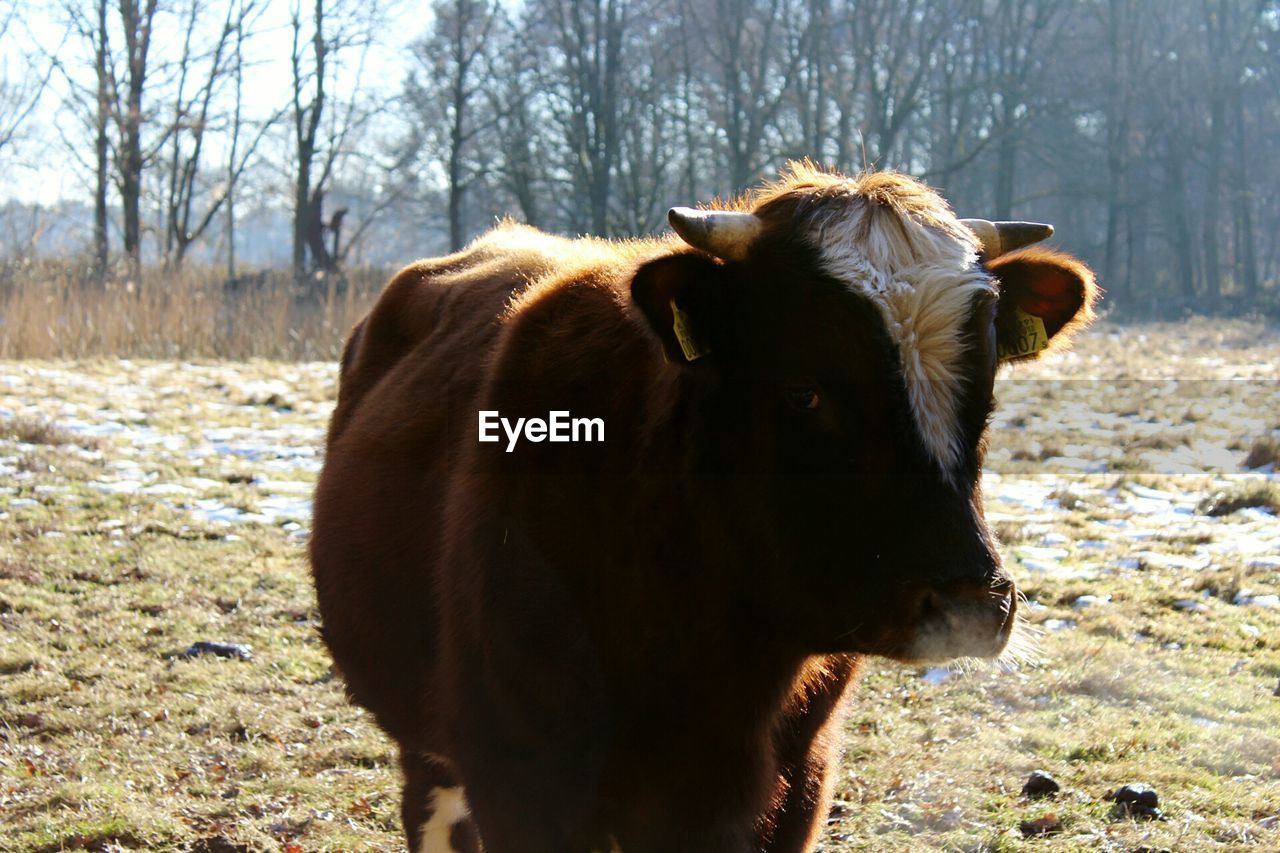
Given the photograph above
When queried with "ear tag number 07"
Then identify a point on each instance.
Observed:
(1030, 340)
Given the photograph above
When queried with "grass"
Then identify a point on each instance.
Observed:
(114, 476)
(40, 431)
(56, 309)
(1258, 493)
(1264, 451)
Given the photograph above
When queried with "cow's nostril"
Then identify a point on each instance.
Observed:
(931, 606)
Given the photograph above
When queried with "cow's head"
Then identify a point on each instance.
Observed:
(838, 339)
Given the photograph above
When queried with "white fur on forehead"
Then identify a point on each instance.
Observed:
(917, 266)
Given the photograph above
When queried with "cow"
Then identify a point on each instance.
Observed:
(644, 643)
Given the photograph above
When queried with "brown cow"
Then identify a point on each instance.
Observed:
(643, 643)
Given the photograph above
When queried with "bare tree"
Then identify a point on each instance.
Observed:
(137, 18)
(753, 52)
(322, 40)
(453, 68)
(211, 67)
(515, 99)
(895, 42)
(588, 41)
(93, 105)
(649, 156)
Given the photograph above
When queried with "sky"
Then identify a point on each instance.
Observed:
(42, 169)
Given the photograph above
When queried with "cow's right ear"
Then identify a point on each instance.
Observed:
(679, 295)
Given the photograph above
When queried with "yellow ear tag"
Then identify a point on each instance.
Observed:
(688, 343)
(1031, 338)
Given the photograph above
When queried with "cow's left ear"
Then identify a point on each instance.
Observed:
(678, 295)
(1045, 298)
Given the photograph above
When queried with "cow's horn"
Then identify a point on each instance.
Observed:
(724, 233)
(998, 238)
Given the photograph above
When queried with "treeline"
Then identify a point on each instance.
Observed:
(1147, 131)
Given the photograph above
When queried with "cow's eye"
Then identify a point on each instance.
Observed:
(803, 397)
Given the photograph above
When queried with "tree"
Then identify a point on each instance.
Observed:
(212, 67)
(137, 18)
(453, 68)
(92, 105)
(752, 50)
(323, 122)
(587, 59)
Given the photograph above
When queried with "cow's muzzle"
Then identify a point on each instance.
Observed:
(963, 619)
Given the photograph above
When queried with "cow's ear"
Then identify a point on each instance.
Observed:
(678, 295)
(1045, 298)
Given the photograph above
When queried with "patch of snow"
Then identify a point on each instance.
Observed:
(275, 508)
(1090, 601)
(1153, 494)
(116, 487)
(166, 489)
(284, 487)
(936, 675)
(1247, 598)
(1173, 561)
(1034, 553)
(1029, 495)
(215, 511)
(1192, 605)
(99, 429)
(1240, 543)
(204, 484)
(1071, 463)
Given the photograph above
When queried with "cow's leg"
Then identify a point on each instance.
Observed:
(808, 747)
(434, 807)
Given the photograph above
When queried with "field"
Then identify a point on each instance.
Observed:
(146, 506)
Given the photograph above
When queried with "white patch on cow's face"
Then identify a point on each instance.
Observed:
(448, 807)
(923, 280)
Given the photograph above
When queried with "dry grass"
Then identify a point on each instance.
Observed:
(29, 430)
(1261, 494)
(56, 309)
(1263, 451)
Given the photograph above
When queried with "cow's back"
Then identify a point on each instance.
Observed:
(411, 368)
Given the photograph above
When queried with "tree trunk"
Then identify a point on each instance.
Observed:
(1006, 168)
(102, 148)
(1181, 229)
(1247, 257)
(1212, 204)
(137, 33)
(301, 210)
